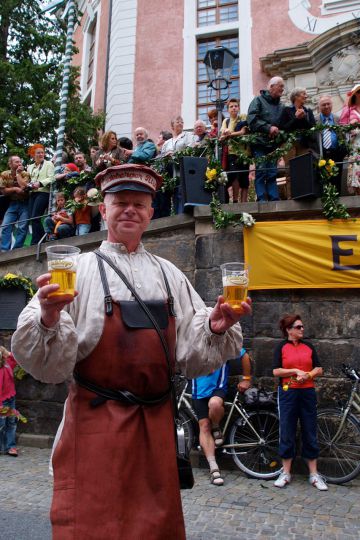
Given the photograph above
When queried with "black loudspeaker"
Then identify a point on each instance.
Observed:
(192, 177)
(304, 179)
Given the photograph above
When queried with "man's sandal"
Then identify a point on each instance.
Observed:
(218, 436)
(215, 478)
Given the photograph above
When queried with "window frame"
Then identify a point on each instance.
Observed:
(218, 5)
(216, 41)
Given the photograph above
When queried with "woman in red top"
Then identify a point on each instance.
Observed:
(7, 399)
(296, 363)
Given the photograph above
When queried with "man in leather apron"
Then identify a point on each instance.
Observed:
(115, 471)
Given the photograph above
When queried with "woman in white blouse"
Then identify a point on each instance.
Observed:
(41, 175)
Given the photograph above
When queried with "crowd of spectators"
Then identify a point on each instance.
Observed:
(24, 194)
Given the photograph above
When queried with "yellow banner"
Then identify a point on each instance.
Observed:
(303, 254)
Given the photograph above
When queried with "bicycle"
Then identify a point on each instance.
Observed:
(251, 438)
(339, 436)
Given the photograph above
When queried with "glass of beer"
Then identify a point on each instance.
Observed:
(235, 278)
(62, 263)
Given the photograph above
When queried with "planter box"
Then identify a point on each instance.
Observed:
(12, 302)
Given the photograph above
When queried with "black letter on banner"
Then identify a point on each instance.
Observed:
(338, 252)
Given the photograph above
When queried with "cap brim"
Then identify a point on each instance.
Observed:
(130, 187)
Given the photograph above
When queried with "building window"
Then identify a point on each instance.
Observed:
(91, 55)
(211, 12)
(205, 95)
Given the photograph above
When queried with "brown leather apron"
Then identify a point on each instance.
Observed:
(115, 471)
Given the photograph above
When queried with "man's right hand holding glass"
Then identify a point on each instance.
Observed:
(51, 306)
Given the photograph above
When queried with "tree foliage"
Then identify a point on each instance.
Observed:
(31, 50)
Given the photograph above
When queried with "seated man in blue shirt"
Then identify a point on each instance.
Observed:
(208, 395)
(145, 149)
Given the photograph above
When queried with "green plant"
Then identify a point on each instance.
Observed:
(222, 219)
(22, 282)
(332, 207)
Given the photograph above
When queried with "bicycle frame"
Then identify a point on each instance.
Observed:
(185, 398)
(353, 402)
(244, 415)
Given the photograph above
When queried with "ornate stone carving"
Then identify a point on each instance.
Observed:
(344, 66)
(328, 64)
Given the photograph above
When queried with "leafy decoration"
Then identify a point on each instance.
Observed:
(282, 143)
(21, 282)
(332, 207)
(222, 219)
(8, 411)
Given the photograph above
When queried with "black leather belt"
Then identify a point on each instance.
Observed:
(124, 396)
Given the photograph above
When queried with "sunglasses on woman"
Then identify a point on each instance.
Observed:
(298, 327)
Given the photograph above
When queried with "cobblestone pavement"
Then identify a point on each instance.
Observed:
(242, 509)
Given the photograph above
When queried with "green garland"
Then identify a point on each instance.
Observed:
(21, 282)
(222, 219)
(332, 207)
(283, 142)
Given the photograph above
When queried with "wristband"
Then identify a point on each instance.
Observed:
(246, 378)
(310, 375)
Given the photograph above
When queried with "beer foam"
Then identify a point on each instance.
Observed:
(62, 264)
(229, 281)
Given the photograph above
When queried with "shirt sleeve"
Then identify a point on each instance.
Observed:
(48, 354)
(198, 350)
(314, 356)
(277, 360)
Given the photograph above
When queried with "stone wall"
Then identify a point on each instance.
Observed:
(331, 317)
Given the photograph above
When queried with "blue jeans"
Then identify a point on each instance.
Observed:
(63, 231)
(8, 427)
(17, 211)
(265, 177)
(298, 404)
(82, 228)
(38, 206)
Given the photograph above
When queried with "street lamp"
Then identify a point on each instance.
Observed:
(219, 62)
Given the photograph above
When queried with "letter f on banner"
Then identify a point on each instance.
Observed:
(338, 252)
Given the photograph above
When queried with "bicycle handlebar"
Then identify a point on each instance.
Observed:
(350, 372)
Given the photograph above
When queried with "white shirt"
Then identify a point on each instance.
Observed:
(50, 354)
(178, 143)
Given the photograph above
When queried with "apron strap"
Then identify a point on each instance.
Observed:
(107, 296)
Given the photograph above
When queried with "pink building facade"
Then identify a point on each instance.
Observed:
(141, 60)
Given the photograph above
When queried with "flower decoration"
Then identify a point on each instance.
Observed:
(327, 169)
(8, 411)
(21, 282)
(287, 385)
(210, 174)
(215, 176)
(222, 219)
(94, 197)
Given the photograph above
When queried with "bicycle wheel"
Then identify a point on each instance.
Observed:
(259, 456)
(339, 459)
(186, 423)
